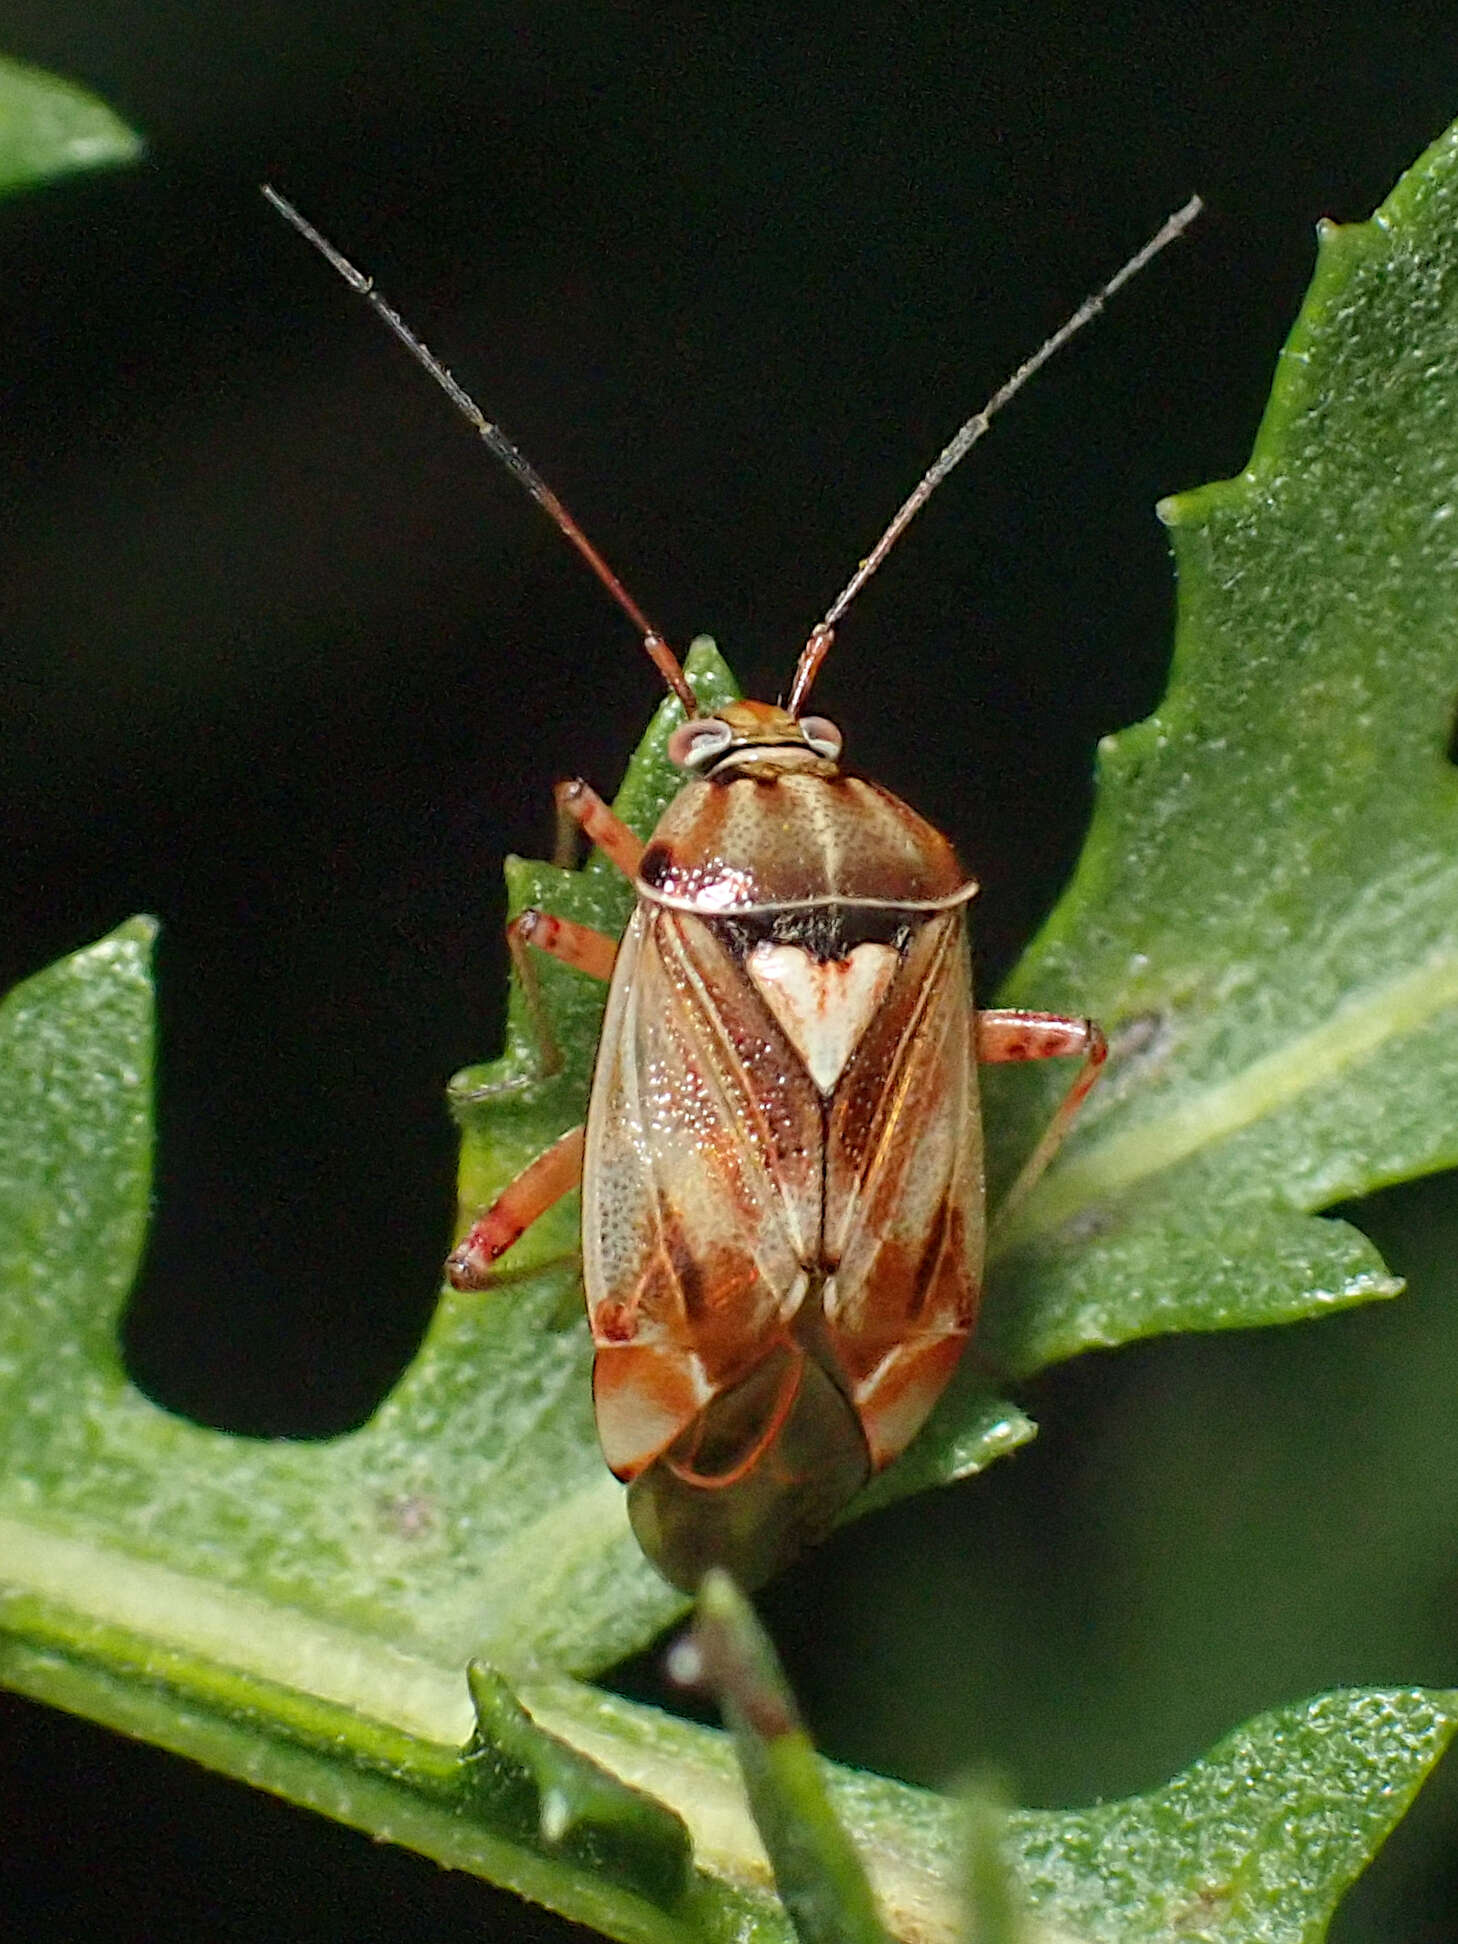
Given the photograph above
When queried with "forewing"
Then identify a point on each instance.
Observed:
(904, 1195)
(701, 1185)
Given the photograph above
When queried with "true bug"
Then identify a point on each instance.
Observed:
(781, 1168)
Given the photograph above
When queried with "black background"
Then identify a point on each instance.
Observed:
(285, 660)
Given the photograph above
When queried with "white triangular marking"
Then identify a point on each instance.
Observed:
(824, 1005)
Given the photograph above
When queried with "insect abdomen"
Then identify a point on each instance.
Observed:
(797, 1455)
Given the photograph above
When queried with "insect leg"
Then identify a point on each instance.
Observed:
(579, 946)
(545, 1180)
(579, 805)
(539, 1185)
(1004, 1035)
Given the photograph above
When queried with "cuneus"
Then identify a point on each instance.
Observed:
(783, 1216)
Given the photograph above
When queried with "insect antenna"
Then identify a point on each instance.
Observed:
(496, 441)
(823, 633)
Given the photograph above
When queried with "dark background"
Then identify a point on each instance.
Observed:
(289, 663)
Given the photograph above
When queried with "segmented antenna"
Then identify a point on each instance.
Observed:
(823, 634)
(496, 441)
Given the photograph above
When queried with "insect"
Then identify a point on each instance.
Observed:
(783, 1219)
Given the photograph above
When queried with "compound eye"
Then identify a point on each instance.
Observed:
(694, 745)
(822, 736)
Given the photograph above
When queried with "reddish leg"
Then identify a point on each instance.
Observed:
(540, 1185)
(1007, 1035)
(576, 945)
(544, 1181)
(578, 803)
(571, 944)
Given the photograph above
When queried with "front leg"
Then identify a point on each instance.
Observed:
(578, 807)
(1005, 1035)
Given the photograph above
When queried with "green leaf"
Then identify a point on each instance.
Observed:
(1257, 1841)
(150, 1578)
(558, 1800)
(1265, 917)
(75, 1172)
(1253, 1845)
(50, 127)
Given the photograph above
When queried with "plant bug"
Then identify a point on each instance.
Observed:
(783, 1218)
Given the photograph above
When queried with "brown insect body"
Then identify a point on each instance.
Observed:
(783, 1206)
(783, 1218)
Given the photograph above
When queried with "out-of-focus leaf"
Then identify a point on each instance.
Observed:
(50, 127)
